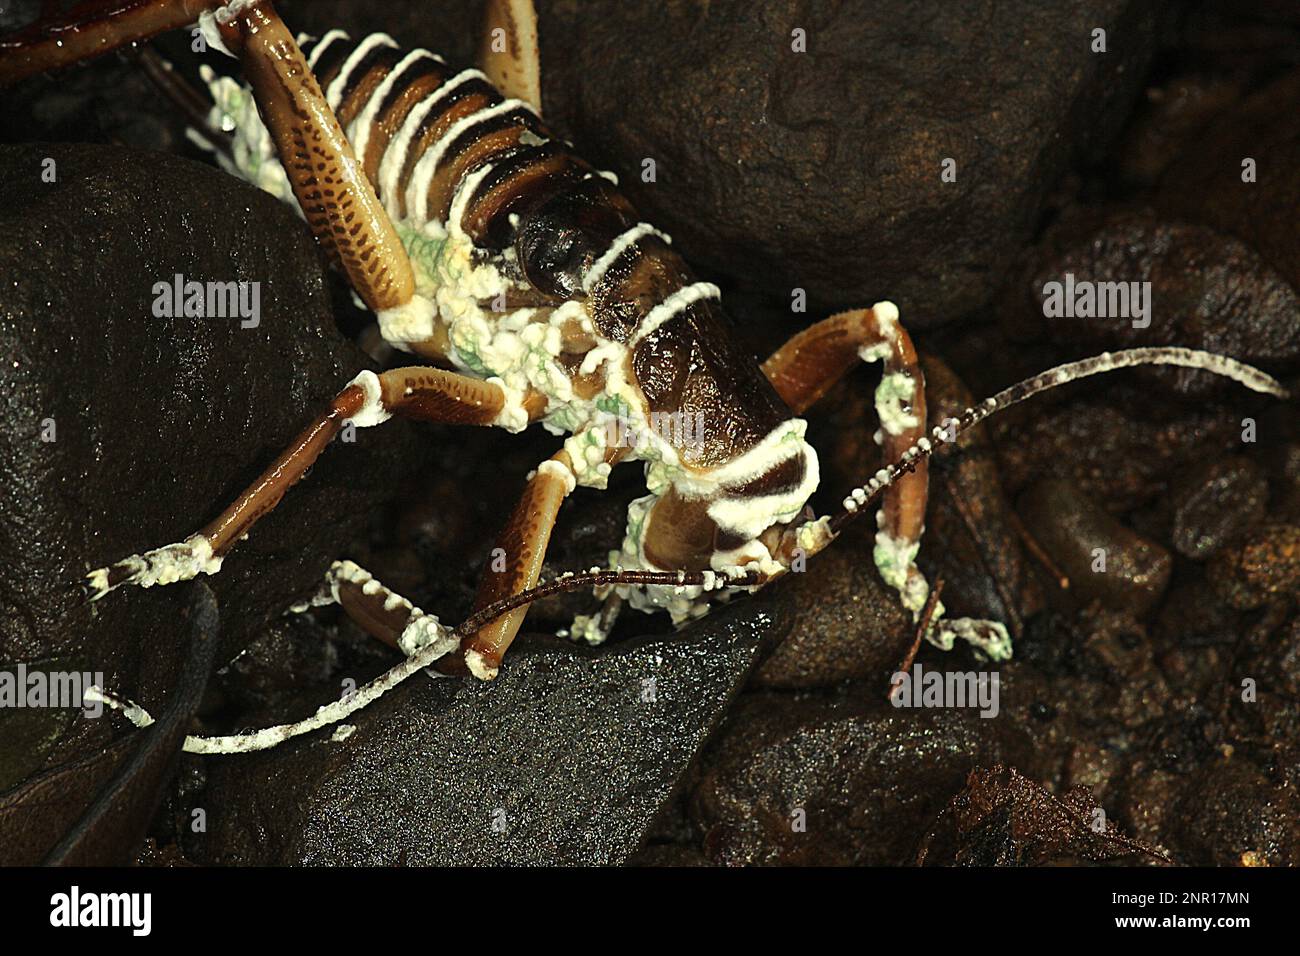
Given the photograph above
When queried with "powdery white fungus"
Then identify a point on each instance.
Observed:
(212, 33)
(615, 251)
(671, 307)
(894, 390)
(372, 412)
(478, 666)
(586, 628)
(166, 565)
(130, 710)
(557, 469)
(886, 314)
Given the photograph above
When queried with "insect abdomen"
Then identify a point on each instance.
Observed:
(441, 144)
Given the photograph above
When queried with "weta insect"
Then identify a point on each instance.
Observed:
(487, 248)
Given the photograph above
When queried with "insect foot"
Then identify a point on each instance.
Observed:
(169, 564)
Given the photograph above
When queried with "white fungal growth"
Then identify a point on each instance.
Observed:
(129, 709)
(895, 390)
(587, 628)
(372, 412)
(478, 665)
(560, 471)
(672, 306)
(422, 630)
(615, 251)
(166, 565)
(252, 150)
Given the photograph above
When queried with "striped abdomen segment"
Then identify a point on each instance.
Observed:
(443, 145)
(427, 134)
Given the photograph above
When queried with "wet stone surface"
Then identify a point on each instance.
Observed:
(126, 431)
(565, 758)
(1103, 559)
(757, 147)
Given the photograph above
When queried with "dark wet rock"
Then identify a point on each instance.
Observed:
(1232, 814)
(1216, 501)
(155, 854)
(1206, 184)
(1207, 291)
(1092, 765)
(1145, 799)
(1119, 448)
(970, 538)
(794, 781)
(113, 826)
(669, 854)
(1169, 118)
(1002, 818)
(565, 752)
(1288, 658)
(1263, 566)
(1126, 688)
(850, 624)
(1194, 615)
(1103, 559)
(1184, 738)
(1257, 38)
(158, 423)
(822, 170)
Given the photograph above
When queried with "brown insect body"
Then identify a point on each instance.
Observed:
(546, 217)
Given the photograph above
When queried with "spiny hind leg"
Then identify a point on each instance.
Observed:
(427, 394)
(804, 369)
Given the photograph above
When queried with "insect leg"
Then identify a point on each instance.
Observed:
(428, 394)
(805, 368)
(508, 52)
(522, 544)
(331, 186)
(380, 612)
(89, 30)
